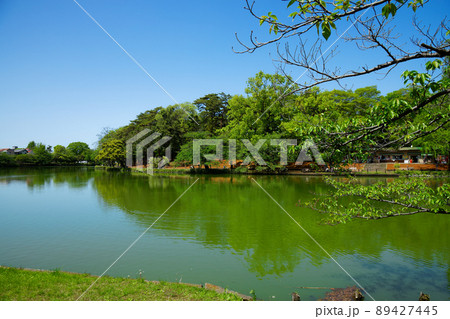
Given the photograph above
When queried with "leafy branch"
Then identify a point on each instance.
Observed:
(371, 21)
(403, 196)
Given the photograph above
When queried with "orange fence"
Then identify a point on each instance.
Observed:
(416, 166)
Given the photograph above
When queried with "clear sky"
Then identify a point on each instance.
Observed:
(63, 79)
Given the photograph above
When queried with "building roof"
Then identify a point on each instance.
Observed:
(401, 149)
(410, 148)
(12, 150)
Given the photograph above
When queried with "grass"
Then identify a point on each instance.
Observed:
(21, 284)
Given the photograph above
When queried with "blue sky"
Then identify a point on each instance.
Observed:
(63, 80)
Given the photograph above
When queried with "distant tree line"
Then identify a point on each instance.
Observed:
(75, 153)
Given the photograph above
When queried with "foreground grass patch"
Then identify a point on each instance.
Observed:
(20, 284)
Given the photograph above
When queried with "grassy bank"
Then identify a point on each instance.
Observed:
(21, 284)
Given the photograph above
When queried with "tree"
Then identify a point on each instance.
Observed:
(25, 159)
(392, 122)
(62, 156)
(260, 112)
(104, 135)
(185, 156)
(79, 150)
(112, 153)
(213, 110)
(398, 198)
(372, 30)
(31, 145)
(437, 144)
(317, 113)
(6, 160)
(41, 155)
(173, 121)
(261, 115)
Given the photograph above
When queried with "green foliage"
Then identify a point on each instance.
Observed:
(241, 169)
(253, 294)
(112, 153)
(62, 156)
(25, 159)
(324, 15)
(31, 145)
(79, 151)
(272, 20)
(346, 132)
(261, 111)
(213, 110)
(438, 143)
(185, 156)
(174, 121)
(41, 155)
(400, 197)
(346, 125)
(392, 121)
(7, 160)
(324, 116)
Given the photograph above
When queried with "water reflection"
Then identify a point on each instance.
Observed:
(230, 213)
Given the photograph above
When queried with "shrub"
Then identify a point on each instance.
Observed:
(6, 160)
(25, 159)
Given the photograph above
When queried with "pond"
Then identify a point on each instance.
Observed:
(225, 230)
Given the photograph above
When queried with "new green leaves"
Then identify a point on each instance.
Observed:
(326, 28)
(389, 8)
(272, 20)
(402, 196)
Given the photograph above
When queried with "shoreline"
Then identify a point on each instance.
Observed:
(219, 171)
(213, 171)
(123, 288)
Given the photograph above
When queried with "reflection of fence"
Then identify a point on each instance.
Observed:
(384, 167)
(416, 166)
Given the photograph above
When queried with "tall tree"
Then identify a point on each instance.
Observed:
(213, 110)
(31, 145)
(41, 155)
(112, 153)
(62, 156)
(173, 121)
(260, 112)
(79, 150)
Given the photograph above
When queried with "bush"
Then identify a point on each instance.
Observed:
(241, 169)
(6, 160)
(261, 169)
(25, 159)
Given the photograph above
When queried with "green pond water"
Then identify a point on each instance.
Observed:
(225, 230)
